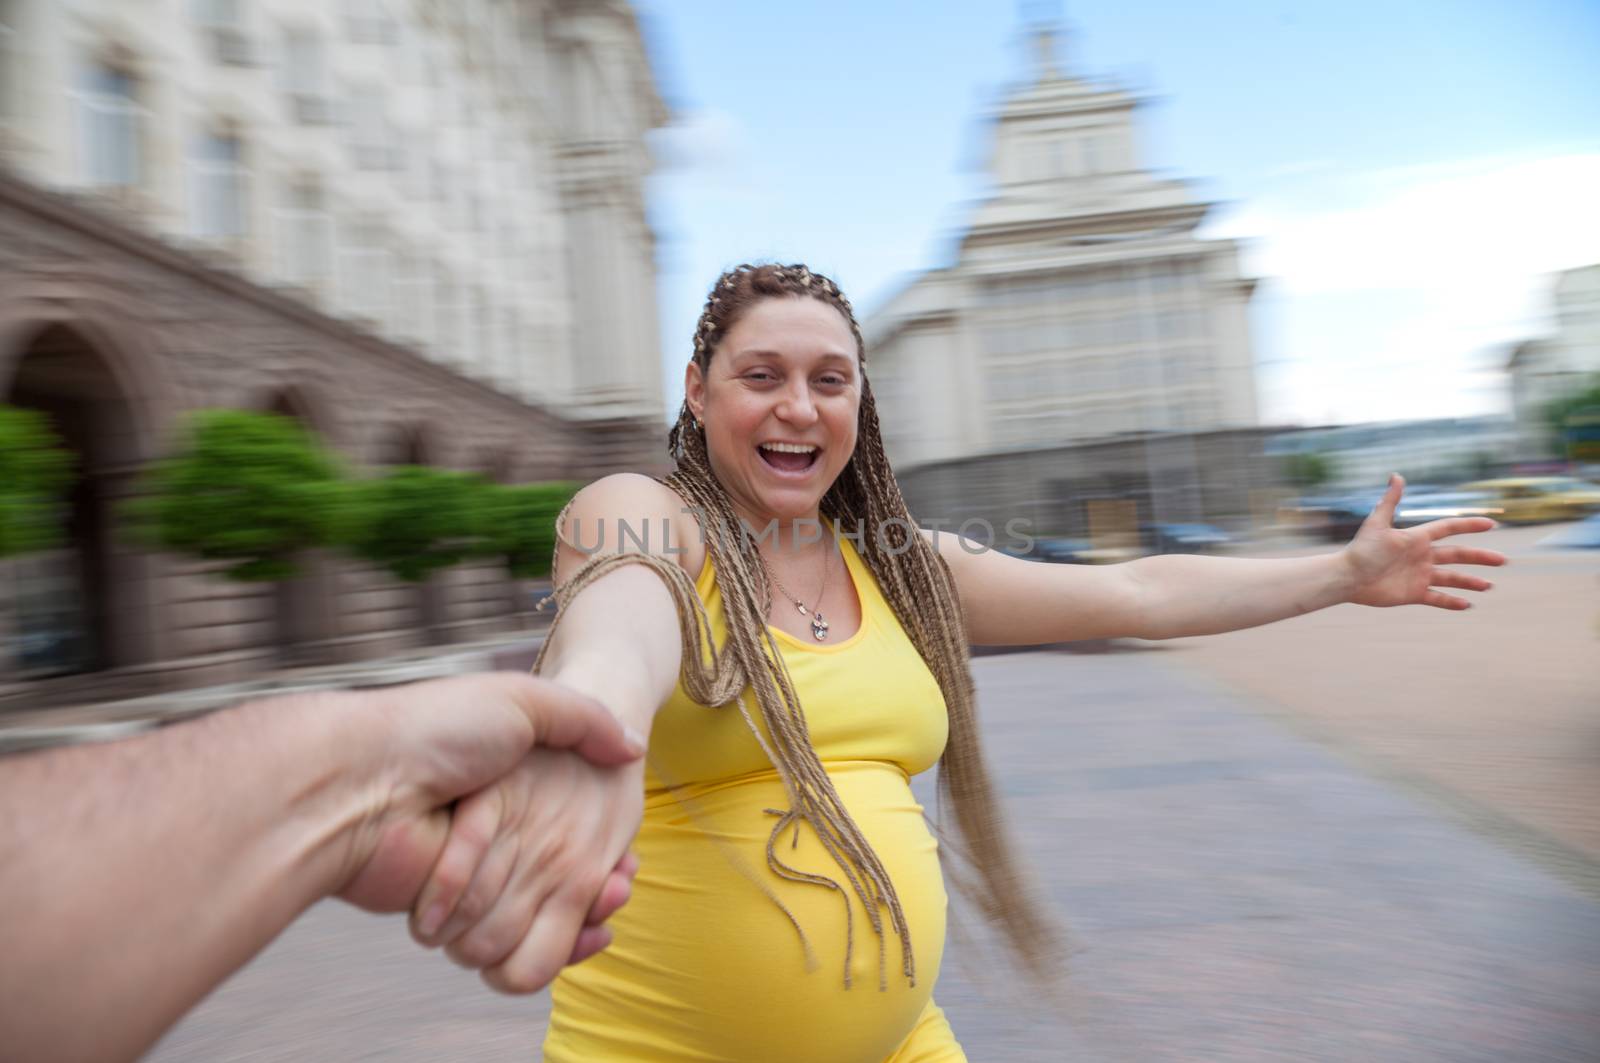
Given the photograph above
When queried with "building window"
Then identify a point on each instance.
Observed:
(112, 120)
(371, 137)
(367, 22)
(303, 77)
(219, 14)
(224, 22)
(305, 236)
(410, 296)
(219, 178)
(363, 283)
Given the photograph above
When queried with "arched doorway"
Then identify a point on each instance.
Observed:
(83, 607)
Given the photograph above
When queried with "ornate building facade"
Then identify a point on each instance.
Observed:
(1081, 306)
(417, 227)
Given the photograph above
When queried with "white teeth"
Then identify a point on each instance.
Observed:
(788, 448)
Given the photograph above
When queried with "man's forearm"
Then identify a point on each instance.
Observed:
(1188, 594)
(138, 875)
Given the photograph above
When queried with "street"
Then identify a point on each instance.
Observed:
(1353, 836)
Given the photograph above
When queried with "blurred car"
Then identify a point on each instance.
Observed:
(1424, 506)
(1535, 499)
(1183, 538)
(1055, 551)
(1336, 518)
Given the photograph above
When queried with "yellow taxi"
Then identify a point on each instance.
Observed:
(1532, 499)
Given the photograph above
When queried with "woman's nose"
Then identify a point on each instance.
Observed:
(797, 407)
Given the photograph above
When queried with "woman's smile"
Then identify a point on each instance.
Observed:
(790, 461)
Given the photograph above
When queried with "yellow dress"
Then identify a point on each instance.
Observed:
(704, 966)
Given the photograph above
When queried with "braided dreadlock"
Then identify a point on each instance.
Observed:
(917, 584)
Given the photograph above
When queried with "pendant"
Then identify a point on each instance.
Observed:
(819, 627)
(801, 609)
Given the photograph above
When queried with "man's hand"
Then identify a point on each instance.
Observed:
(445, 739)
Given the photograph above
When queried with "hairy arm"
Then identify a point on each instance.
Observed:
(139, 874)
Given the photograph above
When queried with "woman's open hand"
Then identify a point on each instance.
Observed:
(529, 861)
(1392, 566)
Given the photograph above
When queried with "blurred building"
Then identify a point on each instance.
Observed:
(1443, 450)
(1553, 367)
(1081, 304)
(416, 226)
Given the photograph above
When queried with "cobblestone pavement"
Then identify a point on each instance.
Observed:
(1495, 712)
(1236, 891)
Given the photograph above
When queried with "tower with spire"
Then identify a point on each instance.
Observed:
(1081, 303)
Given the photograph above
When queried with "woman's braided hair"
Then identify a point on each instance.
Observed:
(917, 584)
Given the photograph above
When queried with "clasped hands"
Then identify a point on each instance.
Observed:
(501, 823)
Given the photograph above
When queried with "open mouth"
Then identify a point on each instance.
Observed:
(789, 459)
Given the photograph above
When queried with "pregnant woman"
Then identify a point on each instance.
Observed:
(796, 650)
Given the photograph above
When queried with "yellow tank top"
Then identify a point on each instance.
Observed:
(704, 966)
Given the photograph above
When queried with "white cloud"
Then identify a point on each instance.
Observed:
(1431, 267)
(706, 142)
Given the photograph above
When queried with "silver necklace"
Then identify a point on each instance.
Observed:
(819, 626)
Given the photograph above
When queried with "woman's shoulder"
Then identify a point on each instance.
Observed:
(628, 511)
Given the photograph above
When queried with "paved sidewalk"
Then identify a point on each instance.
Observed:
(1237, 893)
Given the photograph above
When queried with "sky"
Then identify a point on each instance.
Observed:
(1403, 178)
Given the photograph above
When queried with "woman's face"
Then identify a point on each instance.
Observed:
(786, 373)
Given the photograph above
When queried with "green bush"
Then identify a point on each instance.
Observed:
(252, 489)
(1564, 415)
(519, 525)
(34, 474)
(1308, 470)
(414, 520)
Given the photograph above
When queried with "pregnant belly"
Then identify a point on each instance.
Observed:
(705, 966)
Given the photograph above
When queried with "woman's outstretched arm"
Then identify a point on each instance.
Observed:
(1013, 602)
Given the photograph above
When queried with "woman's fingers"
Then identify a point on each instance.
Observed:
(614, 894)
(1440, 529)
(1467, 555)
(1444, 577)
(550, 941)
(1445, 601)
(1384, 510)
(473, 827)
(483, 894)
(591, 939)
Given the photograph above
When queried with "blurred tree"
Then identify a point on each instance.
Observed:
(1559, 414)
(1480, 465)
(253, 489)
(1309, 470)
(35, 471)
(414, 520)
(519, 525)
